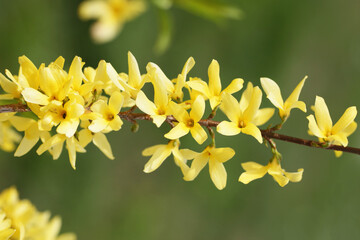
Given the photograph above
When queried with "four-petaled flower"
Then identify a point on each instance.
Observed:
(323, 127)
(213, 90)
(215, 157)
(254, 171)
(245, 115)
(273, 93)
(188, 122)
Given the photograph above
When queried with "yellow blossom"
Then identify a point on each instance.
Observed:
(188, 122)
(159, 153)
(180, 81)
(67, 116)
(28, 77)
(254, 171)
(106, 116)
(273, 93)
(8, 136)
(323, 127)
(31, 136)
(110, 15)
(245, 115)
(159, 109)
(99, 139)
(27, 221)
(6, 231)
(213, 91)
(215, 157)
(55, 143)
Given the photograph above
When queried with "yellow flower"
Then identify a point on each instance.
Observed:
(55, 144)
(159, 109)
(323, 127)
(159, 153)
(28, 222)
(215, 157)
(6, 231)
(67, 116)
(213, 90)
(188, 122)
(180, 81)
(106, 116)
(99, 139)
(245, 115)
(28, 77)
(8, 137)
(31, 136)
(273, 93)
(256, 171)
(110, 15)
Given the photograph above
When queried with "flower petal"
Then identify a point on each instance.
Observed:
(98, 125)
(313, 127)
(235, 86)
(254, 105)
(222, 154)
(230, 107)
(144, 104)
(157, 159)
(115, 102)
(228, 128)
(217, 173)
(198, 133)
(294, 96)
(273, 92)
(254, 131)
(33, 96)
(103, 144)
(199, 86)
(322, 115)
(197, 108)
(177, 132)
(197, 165)
(214, 78)
(295, 176)
(263, 115)
(346, 119)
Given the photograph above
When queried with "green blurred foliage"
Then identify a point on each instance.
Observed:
(280, 39)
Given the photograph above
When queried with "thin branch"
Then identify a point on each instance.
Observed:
(266, 133)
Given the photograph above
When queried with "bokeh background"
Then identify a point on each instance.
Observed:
(281, 39)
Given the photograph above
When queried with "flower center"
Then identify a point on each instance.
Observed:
(241, 124)
(190, 123)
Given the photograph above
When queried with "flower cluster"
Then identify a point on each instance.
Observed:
(81, 105)
(20, 220)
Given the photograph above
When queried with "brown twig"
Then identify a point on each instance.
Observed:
(266, 133)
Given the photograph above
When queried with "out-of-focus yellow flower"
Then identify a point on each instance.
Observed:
(273, 93)
(159, 153)
(27, 221)
(323, 127)
(213, 90)
(110, 16)
(215, 157)
(8, 136)
(188, 122)
(256, 171)
(106, 116)
(245, 115)
(6, 231)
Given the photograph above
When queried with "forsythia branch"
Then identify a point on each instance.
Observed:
(266, 133)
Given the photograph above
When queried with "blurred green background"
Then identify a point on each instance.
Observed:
(281, 39)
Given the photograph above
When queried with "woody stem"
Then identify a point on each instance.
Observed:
(266, 133)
